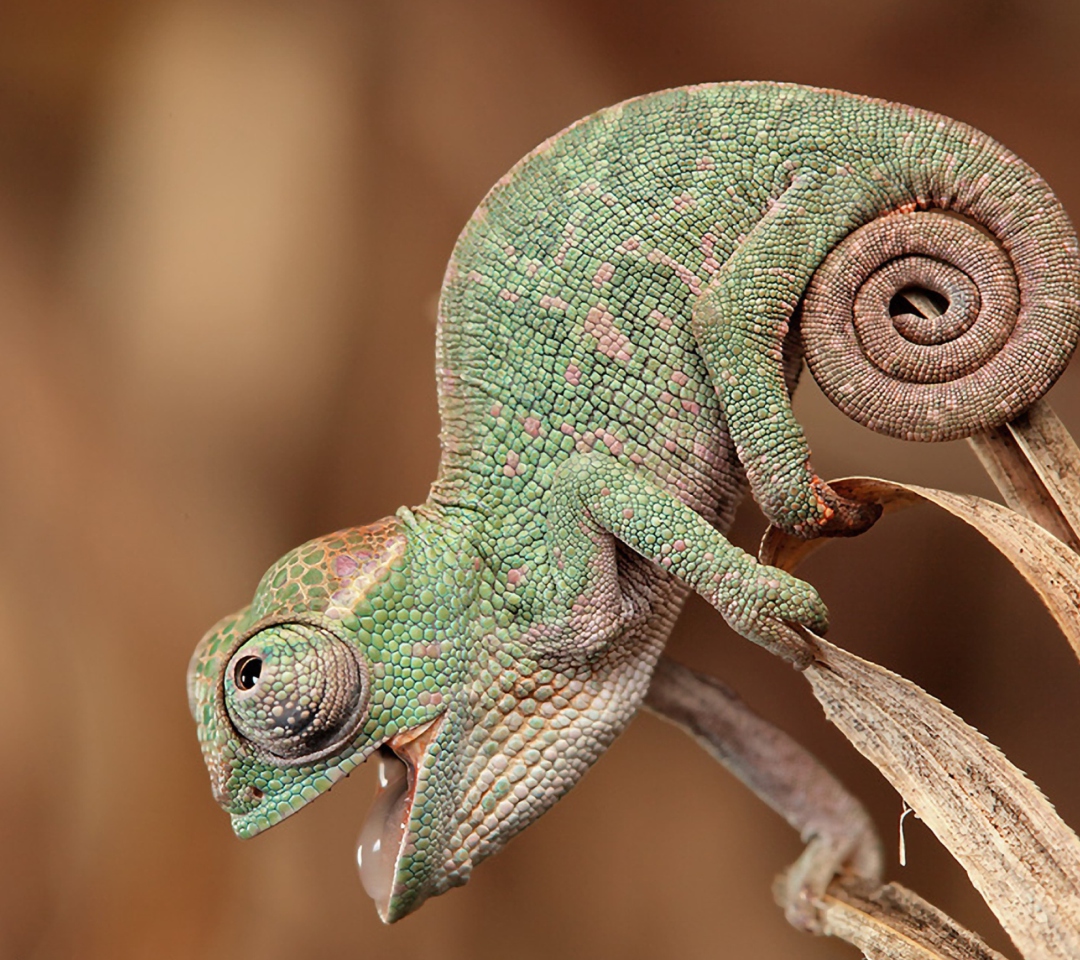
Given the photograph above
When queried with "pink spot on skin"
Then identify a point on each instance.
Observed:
(663, 322)
(509, 295)
(546, 303)
(567, 429)
(513, 461)
(683, 202)
(605, 272)
(530, 270)
(705, 163)
(680, 378)
(628, 514)
(612, 443)
(476, 563)
(516, 575)
(637, 458)
(569, 232)
(509, 250)
(691, 406)
(531, 426)
(705, 452)
(678, 545)
(474, 276)
(666, 397)
(685, 274)
(608, 199)
(628, 245)
(708, 247)
(605, 492)
(573, 374)
(344, 565)
(496, 409)
(609, 340)
(670, 445)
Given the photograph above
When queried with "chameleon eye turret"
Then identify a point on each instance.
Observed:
(295, 691)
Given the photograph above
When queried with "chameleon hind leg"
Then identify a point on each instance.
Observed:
(741, 321)
(839, 834)
(595, 500)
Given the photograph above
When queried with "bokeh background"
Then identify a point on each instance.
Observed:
(223, 224)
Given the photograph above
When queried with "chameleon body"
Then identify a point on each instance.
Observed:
(617, 339)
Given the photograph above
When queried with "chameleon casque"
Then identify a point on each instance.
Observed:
(619, 332)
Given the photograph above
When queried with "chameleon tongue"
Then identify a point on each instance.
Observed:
(381, 835)
(383, 832)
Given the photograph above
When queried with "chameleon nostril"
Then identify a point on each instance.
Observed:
(246, 673)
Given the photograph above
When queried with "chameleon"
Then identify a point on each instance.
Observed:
(620, 327)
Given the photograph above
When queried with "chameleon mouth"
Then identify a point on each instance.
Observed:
(385, 831)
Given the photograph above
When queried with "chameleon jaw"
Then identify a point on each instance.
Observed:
(385, 832)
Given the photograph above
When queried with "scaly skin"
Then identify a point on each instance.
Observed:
(611, 378)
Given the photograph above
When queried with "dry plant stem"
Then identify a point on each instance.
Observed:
(886, 922)
(1035, 464)
(1019, 854)
(892, 923)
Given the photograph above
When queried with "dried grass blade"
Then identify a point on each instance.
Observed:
(1035, 463)
(892, 923)
(1019, 854)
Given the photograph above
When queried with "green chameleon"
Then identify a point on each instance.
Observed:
(621, 324)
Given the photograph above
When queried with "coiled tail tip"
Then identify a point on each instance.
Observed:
(927, 325)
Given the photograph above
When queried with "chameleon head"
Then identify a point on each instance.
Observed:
(390, 641)
(339, 657)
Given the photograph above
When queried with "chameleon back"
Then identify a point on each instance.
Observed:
(566, 321)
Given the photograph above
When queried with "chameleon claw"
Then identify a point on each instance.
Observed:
(840, 517)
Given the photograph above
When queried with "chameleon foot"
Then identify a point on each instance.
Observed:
(799, 889)
(843, 517)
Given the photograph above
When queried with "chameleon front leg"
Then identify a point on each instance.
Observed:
(595, 500)
(838, 832)
(741, 321)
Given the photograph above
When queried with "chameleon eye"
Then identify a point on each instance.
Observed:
(246, 672)
(295, 691)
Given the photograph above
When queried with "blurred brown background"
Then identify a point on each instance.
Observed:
(222, 229)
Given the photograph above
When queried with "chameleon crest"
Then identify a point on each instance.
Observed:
(621, 324)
